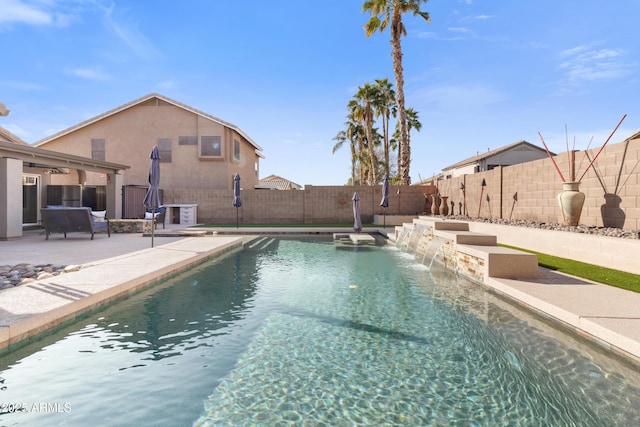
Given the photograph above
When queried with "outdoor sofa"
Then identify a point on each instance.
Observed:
(62, 219)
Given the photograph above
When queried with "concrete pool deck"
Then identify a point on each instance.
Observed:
(111, 267)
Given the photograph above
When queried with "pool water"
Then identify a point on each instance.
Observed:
(304, 331)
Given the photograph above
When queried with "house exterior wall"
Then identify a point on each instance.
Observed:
(463, 170)
(519, 154)
(131, 134)
(514, 156)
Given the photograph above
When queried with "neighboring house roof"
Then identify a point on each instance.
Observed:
(7, 136)
(633, 136)
(274, 182)
(140, 101)
(479, 157)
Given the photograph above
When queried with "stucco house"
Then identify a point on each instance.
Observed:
(198, 151)
(512, 154)
(25, 173)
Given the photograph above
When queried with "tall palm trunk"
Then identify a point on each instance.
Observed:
(396, 54)
(373, 179)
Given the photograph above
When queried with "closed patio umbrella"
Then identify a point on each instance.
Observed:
(152, 198)
(385, 197)
(357, 223)
(237, 202)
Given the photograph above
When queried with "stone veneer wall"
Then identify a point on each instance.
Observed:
(471, 266)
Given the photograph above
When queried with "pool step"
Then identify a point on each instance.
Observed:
(177, 233)
(356, 238)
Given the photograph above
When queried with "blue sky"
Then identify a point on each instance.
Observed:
(483, 74)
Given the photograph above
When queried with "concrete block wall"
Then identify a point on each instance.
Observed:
(611, 187)
(314, 204)
(536, 184)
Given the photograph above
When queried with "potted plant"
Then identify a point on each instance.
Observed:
(571, 199)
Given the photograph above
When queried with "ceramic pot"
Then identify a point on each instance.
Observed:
(434, 204)
(444, 207)
(571, 201)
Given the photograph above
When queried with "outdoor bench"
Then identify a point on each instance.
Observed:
(67, 220)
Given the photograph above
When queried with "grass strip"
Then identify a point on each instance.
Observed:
(607, 276)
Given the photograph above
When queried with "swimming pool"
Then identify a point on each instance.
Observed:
(295, 330)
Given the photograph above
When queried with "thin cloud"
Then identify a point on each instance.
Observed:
(130, 34)
(14, 11)
(461, 96)
(582, 63)
(459, 29)
(167, 84)
(24, 86)
(91, 74)
(19, 12)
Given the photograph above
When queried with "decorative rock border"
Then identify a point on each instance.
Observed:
(20, 274)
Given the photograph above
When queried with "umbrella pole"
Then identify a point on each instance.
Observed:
(153, 226)
(237, 219)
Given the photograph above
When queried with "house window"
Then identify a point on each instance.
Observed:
(187, 140)
(236, 149)
(164, 146)
(98, 149)
(211, 146)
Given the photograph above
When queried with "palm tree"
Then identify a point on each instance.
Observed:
(412, 123)
(341, 138)
(362, 105)
(354, 133)
(385, 106)
(385, 13)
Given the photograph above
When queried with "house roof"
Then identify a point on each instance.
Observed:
(479, 157)
(277, 182)
(633, 136)
(7, 136)
(140, 101)
(40, 157)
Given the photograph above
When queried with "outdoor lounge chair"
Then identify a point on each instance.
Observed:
(159, 216)
(67, 220)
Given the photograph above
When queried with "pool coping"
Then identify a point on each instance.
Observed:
(30, 309)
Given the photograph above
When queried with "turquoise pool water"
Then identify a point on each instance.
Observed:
(302, 331)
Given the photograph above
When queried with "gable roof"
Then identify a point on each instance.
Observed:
(140, 101)
(7, 136)
(39, 157)
(277, 182)
(479, 157)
